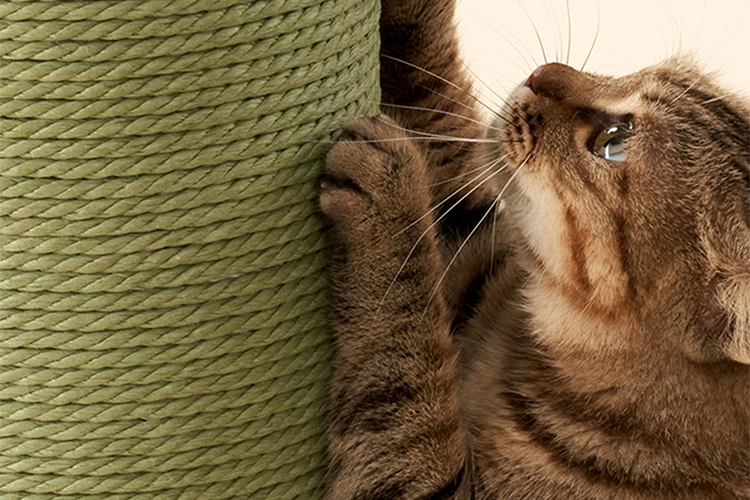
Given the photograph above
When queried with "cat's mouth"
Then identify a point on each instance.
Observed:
(523, 121)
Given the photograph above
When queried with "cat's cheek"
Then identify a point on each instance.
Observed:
(576, 244)
(558, 322)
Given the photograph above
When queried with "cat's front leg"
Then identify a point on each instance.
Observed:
(394, 429)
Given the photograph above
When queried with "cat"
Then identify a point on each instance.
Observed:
(555, 305)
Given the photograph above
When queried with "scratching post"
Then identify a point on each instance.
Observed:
(162, 297)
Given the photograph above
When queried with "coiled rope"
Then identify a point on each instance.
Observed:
(162, 299)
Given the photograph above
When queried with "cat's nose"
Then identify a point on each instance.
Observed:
(553, 79)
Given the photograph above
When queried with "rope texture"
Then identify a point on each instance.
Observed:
(162, 299)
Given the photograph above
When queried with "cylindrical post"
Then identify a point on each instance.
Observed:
(162, 297)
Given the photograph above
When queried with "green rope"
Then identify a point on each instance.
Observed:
(162, 299)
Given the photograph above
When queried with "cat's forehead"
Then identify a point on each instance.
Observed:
(675, 78)
(669, 85)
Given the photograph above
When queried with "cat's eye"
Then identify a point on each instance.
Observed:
(610, 143)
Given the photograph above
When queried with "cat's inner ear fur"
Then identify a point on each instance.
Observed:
(736, 299)
(731, 294)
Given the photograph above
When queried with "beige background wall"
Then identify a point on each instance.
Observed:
(501, 47)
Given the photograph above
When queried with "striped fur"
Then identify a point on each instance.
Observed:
(591, 339)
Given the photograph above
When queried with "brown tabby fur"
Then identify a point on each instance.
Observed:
(591, 340)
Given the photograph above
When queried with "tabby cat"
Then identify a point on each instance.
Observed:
(553, 306)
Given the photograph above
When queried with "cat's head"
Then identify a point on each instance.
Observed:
(633, 198)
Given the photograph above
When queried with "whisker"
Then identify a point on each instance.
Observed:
(479, 101)
(570, 31)
(508, 104)
(494, 224)
(471, 233)
(716, 99)
(426, 138)
(551, 14)
(428, 72)
(446, 113)
(449, 138)
(475, 140)
(682, 94)
(455, 101)
(486, 169)
(464, 174)
(421, 139)
(448, 82)
(494, 234)
(591, 299)
(468, 93)
(515, 46)
(434, 223)
(596, 36)
(536, 31)
(512, 61)
(435, 110)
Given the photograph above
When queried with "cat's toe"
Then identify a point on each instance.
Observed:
(365, 151)
(342, 201)
(373, 167)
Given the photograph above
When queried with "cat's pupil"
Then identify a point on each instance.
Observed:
(614, 149)
(610, 143)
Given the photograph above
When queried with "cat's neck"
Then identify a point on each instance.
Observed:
(680, 414)
(613, 414)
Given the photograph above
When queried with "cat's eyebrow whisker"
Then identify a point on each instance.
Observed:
(570, 32)
(596, 36)
(536, 31)
(684, 92)
(471, 233)
(719, 98)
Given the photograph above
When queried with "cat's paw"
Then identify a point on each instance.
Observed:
(374, 177)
